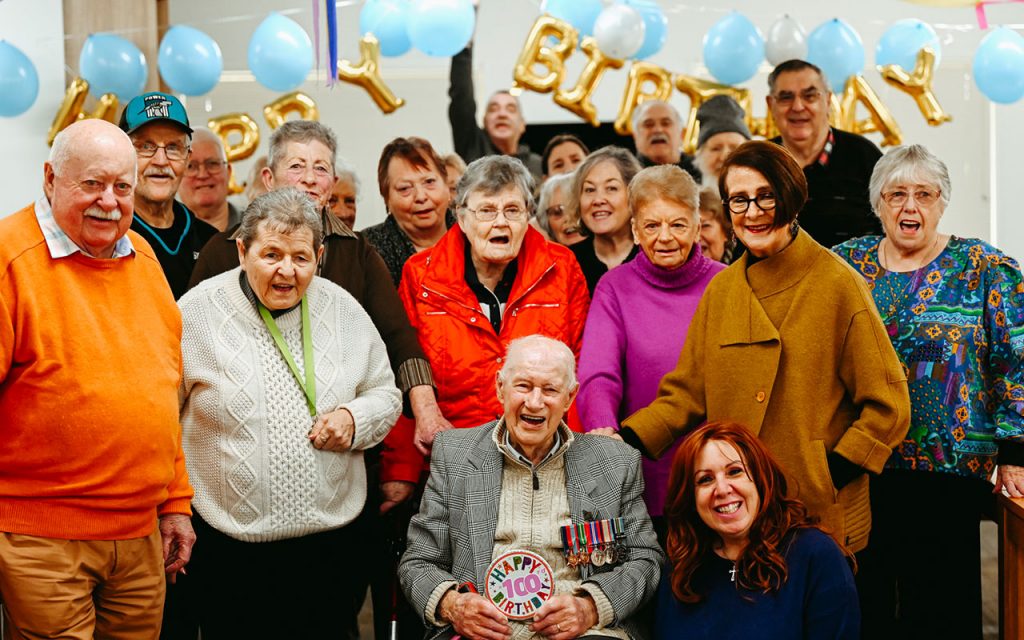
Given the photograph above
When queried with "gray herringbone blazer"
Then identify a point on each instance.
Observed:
(452, 536)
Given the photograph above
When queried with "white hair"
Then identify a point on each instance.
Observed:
(202, 133)
(641, 110)
(554, 349)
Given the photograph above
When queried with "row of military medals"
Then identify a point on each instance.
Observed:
(596, 542)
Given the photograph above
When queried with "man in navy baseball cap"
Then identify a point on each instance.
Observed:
(158, 125)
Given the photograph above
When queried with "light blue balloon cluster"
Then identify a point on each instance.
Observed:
(280, 53)
(19, 81)
(387, 20)
(111, 64)
(190, 61)
(441, 28)
(581, 14)
(733, 49)
(838, 50)
(656, 27)
(901, 42)
(999, 66)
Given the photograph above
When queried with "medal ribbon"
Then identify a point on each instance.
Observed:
(309, 385)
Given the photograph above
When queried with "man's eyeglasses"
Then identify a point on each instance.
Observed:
(173, 151)
(739, 204)
(213, 167)
(488, 213)
(898, 197)
(787, 98)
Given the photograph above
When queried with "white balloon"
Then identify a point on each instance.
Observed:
(786, 40)
(619, 31)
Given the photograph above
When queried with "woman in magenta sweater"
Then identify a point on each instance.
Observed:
(641, 311)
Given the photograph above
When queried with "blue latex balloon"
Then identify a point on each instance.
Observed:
(581, 14)
(901, 42)
(733, 49)
(387, 20)
(655, 30)
(999, 66)
(19, 81)
(838, 50)
(280, 53)
(441, 27)
(111, 64)
(190, 61)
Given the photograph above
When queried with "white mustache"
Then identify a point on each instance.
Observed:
(659, 137)
(96, 211)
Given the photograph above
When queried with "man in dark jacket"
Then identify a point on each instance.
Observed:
(503, 120)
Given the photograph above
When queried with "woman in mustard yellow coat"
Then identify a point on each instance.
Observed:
(787, 342)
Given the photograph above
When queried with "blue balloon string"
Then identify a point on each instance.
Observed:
(332, 42)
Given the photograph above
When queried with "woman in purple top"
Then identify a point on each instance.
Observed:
(641, 311)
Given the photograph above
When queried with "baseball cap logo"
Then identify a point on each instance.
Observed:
(157, 107)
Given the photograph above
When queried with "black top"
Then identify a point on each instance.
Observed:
(178, 246)
(837, 206)
(491, 302)
(685, 163)
(471, 142)
(591, 265)
(393, 245)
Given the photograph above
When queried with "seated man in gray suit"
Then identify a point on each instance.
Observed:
(526, 529)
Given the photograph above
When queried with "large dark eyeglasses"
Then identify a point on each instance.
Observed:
(739, 204)
(213, 167)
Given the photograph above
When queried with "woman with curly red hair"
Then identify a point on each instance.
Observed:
(745, 560)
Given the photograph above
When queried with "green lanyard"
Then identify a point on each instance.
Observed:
(309, 386)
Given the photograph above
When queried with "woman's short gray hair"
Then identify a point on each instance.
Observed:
(909, 164)
(284, 210)
(560, 182)
(346, 172)
(492, 175)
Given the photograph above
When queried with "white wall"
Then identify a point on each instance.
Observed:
(37, 28)
(979, 133)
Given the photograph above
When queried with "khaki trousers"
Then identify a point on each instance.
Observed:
(81, 589)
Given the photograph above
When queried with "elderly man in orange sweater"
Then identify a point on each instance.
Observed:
(94, 499)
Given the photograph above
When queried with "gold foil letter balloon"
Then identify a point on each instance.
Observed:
(918, 85)
(577, 99)
(366, 74)
(243, 147)
(858, 90)
(536, 51)
(294, 102)
(641, 75)
(70, 110)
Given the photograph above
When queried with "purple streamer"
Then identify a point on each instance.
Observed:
(332, 41)
(316, 34)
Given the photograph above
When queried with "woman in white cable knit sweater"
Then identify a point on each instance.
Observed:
(275, 456)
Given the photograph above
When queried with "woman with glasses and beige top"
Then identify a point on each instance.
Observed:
(786, 341)
(953, 308)
(492, 278)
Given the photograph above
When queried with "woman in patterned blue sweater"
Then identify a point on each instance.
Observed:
(954, 310)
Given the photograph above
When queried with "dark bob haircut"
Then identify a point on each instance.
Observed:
(781, 171)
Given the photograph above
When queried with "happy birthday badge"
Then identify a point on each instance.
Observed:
(518, 583)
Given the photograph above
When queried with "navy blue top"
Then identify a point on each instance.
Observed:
(818, 600)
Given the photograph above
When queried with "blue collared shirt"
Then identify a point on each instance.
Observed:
(58, 242)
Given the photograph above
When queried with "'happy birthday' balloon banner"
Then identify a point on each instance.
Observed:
(551, 41)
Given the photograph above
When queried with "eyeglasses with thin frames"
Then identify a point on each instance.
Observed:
(213, 167)
(739, 204)
(787, 98)
(898, 197)
(489, 214)
(173, 150)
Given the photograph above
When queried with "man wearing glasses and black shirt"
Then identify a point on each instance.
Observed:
(837, 164)
(158, 126)
(207, 176)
